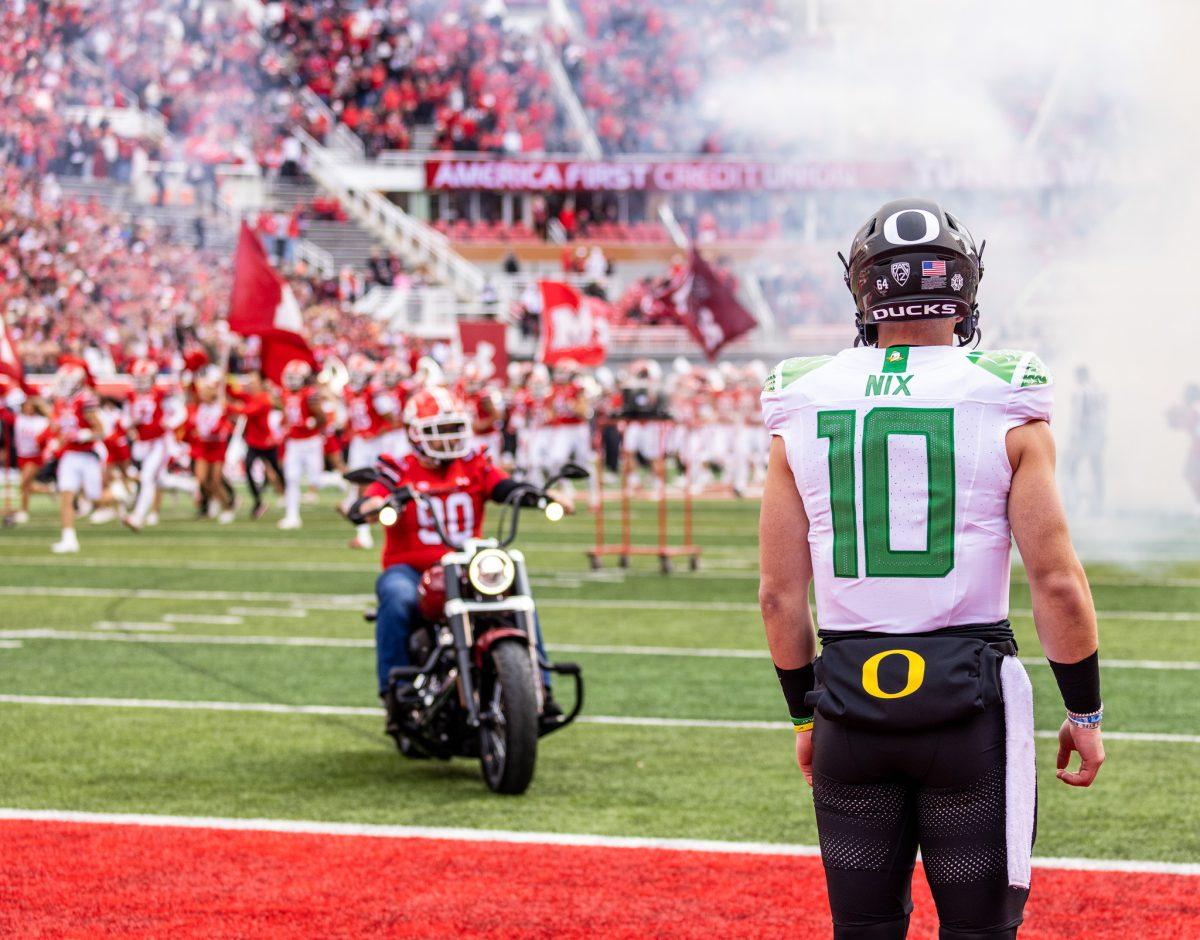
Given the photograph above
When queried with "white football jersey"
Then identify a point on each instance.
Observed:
(899, 456)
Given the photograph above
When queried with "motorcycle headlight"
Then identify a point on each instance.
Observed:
(491, 572)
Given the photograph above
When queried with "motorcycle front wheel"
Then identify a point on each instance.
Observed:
(508, 736)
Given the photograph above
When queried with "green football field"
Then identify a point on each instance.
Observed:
(126, 673)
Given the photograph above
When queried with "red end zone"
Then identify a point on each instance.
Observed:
(64, 879)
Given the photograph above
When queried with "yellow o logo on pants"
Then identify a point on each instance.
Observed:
(916, 673)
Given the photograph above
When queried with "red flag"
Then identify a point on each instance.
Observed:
(10, 362)
(574, 326)
(263, 305)
(707, 307)
(484, 340)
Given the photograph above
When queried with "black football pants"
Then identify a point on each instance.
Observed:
(881, 794)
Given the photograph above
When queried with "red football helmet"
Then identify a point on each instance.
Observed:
(438, 425)
(394, 371)
(143, 373)
(297, 374)
(360, 371)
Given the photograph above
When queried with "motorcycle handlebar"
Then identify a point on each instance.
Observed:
(515, 501)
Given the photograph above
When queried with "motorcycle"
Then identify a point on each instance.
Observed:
(477, 691)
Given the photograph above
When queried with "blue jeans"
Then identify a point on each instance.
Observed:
(396, 589)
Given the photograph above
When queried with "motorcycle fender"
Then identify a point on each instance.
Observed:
(485, 642)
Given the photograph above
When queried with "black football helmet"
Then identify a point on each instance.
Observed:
(913, 260)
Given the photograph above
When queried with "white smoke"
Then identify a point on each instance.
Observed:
(1095, 274)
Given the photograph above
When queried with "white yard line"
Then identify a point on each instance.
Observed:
(309, 601)
(292, 613)
(582, 840)
(196, 639)
(10, 644)
(353, 601)
(133, 635)
(125, 626)
(216, 620)
(356, 602)
(351, 710)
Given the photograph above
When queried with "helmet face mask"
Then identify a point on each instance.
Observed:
(360, 370)
(913, 260)
(143, 375)
(296, 374)
(446, 438)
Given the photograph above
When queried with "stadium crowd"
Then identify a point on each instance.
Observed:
(637, 66)
(450, 64)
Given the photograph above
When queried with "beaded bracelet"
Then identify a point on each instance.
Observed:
(1086, 719)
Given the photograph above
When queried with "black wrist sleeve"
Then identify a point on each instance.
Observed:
(1079, 683)
(797, 683)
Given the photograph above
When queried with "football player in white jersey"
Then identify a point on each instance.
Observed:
(899, 470)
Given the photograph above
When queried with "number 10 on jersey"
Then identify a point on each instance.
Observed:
(936, 426)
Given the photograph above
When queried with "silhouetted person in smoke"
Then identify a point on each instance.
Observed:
(1089, 407)
(1186, 417)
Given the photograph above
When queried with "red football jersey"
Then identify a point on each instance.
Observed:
(363, 418)
(146, 414)
(563, 403)
(299, 414)
(209, 423)
(257, 432)
(457, 491)
(70, 422)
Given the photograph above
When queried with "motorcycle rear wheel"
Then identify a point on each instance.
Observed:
(508, 740)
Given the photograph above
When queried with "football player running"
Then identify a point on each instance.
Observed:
(458, 480)
(304, 418)
(368, 412)
(154, 414)
(78, 431)
(898, 473)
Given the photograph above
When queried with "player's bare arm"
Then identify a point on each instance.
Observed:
(785, 572)
(1062, 601)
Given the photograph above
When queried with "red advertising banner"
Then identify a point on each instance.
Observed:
(662, 176)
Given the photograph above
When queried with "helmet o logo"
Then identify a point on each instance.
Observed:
(933, 228)
(916, 674)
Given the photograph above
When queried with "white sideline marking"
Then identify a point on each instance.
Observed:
(635, 721)
(125, 626)
(295, 613)
(217, 620)
(10, 644)
(133, 636)
(581, 840)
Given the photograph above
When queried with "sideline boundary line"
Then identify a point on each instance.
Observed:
(630, 721)
(580, 840)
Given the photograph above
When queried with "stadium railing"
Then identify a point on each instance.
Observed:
(418, 244)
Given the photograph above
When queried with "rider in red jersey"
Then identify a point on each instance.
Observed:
(459, 481)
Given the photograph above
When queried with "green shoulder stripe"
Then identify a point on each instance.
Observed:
(1003, 363)
(789, 370)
